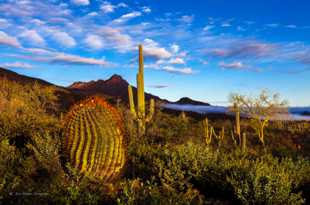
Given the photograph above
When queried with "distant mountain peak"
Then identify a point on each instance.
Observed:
(189, 101)
(115, 86)
(116, 79)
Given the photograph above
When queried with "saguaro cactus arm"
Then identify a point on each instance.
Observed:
(131, 102)
(207, 132)
(237, 111)
(152, 110)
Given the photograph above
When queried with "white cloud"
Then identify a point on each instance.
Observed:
(152, 49)
(122, 4)
(77, 60)
(64, 39)
(208, 28)
(94, 42)
(38, 51)
(233, 65)
(187, 19)
(146, 9)
(273, 25)
(175, 48)
(291, 26)
(25, 8)
(116, 39)
(7, 40)
(92, 14)
(177, 60)
(80, 2)
(37, 22)
(172, 69)
(108, 7)
(32, 37)
(17, 65)
(4, 23)
(127, 17)
(226, 24)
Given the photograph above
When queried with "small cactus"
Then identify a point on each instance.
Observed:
(94, 139)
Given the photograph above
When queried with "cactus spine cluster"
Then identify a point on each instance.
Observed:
(139, 113)
(93, 139)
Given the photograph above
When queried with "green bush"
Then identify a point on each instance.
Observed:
(221, 175)
(136, 192)
(25, 110)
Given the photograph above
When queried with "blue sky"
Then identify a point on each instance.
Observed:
(204, 49)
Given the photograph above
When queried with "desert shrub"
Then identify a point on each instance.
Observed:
(137, 192)
(25, 109)
(265, 181)
(77, 189)
(166, 128)
(37, 175)
(221, 175)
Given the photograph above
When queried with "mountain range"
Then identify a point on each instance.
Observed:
(115, 88)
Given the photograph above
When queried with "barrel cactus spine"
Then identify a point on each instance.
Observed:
(94, 139)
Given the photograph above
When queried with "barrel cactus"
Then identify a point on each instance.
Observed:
(94, 139)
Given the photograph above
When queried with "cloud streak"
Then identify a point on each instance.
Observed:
(77, 60)
(153, 49)
(33, 37)
(94, 42)
(126, 17)
(8, 40)
(234, 65)
(243, 49)
(17, 65)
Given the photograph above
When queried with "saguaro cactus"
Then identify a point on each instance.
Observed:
(93, 139)
(208, 131)
(244, 148)
(140, 114)
(237, 121)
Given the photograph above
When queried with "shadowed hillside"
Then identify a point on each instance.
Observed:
(113, 88)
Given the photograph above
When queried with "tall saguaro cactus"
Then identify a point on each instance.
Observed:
(139, 113)
(93, 139)
(237, 126)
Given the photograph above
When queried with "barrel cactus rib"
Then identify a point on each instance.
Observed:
(94, 138)
(106, 155)
(113, 168)
(76, 139)
(94, 144)
(113, 153)
(82, 142)
(88, 142)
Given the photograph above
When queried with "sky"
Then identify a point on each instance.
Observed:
(203, 49)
